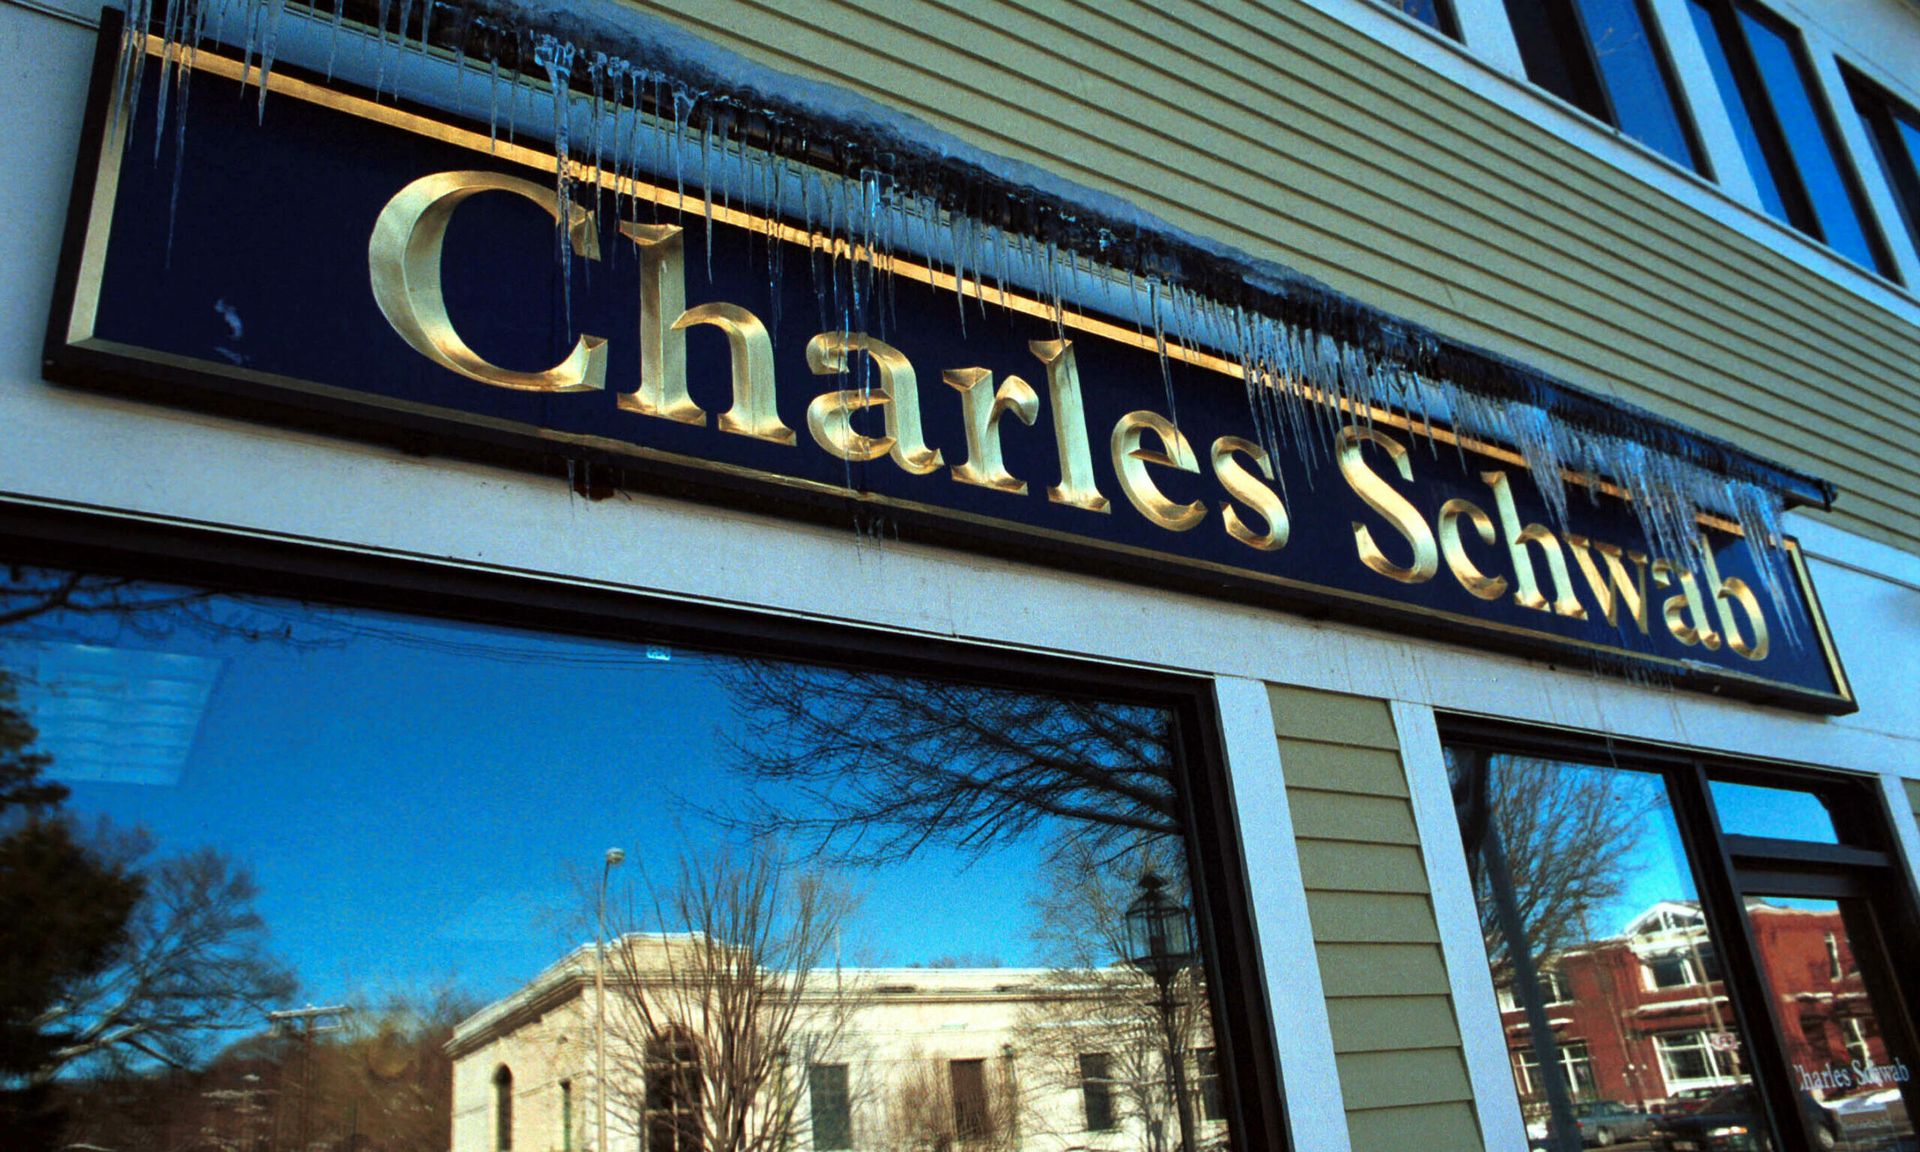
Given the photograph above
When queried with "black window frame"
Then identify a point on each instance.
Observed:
(1880, 110)
(1782, 167)
(1721, 863)
(1572, 43)
(240, 562)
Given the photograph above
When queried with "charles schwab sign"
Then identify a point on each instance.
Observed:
(391, 275)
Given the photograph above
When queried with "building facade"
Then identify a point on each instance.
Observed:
(1409, 850)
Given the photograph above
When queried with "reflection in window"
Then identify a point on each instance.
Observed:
(1594, 934)
(1775, 813)
(1096, 1091)
(1792, 146)
(891, 908)
(503, 1109)
(1576, 1071)
(832, 1108)
(1696, 1059)
(1603, 57)
(1850, 1074)
(1213, 1101)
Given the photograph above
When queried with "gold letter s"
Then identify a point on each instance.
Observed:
(1379, 496)
(403, 259)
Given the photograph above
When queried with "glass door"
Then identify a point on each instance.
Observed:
(1845, 1033)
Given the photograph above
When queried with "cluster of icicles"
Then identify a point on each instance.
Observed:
(633, 97)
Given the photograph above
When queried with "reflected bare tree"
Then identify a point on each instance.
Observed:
(1096, 1003)
(194, 962)
(720, 994)
(884, 764)
(1549, 845)
(1569, 834)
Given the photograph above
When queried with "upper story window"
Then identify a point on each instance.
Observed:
(1791, 143)
(1604, 57)
(1436, 14)
(1894, 129)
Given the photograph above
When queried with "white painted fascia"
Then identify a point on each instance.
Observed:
(1456, 914)
(1316, 1109)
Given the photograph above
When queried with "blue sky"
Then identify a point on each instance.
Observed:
(426, 803)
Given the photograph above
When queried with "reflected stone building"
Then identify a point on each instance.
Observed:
(900, 1059)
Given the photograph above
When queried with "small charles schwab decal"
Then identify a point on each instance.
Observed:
(382, 269)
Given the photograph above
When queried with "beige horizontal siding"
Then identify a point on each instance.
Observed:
(1395, 1040)
(1277, 129)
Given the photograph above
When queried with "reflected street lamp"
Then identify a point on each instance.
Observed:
(1160, 943)
(614, 857)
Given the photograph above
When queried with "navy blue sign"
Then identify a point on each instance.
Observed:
(391, 276)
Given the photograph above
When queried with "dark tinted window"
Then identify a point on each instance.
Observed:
(1789, 84)
(1433, 13)
(1894, 129)
(1634, 71)
(1600, 56)
(1744, 126)
(1791, 144)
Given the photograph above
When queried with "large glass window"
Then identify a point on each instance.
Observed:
(1792, 144)
(305, 876)
(1604, 57)
(1706, 952)
(1583, 880)
(1894, 128)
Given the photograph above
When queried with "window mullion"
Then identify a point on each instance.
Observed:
(1745, 983)
(1487, 32)
(1721, 157)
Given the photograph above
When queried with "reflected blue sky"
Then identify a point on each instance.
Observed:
(425, 803)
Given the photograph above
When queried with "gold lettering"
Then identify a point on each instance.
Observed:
(1130, 462)
(663, 347)
(1735, 589)
(830, 416)
(663, 344)
(1527, 595)
(1685, 614)
(1242, 486)
(403, 261)
(1381, 497)
(1458, 562)
(1076, 488)
(1614, 587)
(981, 407)
(750, 349)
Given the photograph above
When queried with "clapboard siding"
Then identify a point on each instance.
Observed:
(1395, 1040)
(1276, 128)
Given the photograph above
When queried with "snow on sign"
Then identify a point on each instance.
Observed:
(604, 287)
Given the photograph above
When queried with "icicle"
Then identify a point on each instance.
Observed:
(556, 59)
(269, 46)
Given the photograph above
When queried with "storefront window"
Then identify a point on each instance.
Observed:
(303, 876)
(1769, 1003)
(1588, 908)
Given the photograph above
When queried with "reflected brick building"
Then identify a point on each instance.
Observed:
(1644, 1016)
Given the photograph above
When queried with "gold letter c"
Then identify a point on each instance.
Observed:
(403, 258)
